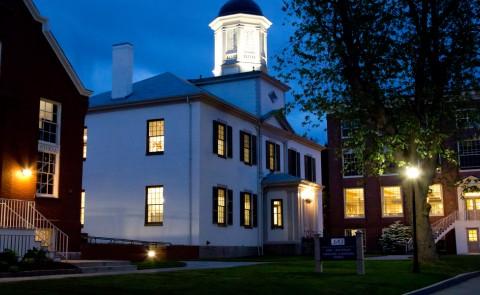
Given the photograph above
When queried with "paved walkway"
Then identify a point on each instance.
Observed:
(470, 287)
(390, 257)
(191, 265)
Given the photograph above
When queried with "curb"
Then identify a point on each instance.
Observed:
(445, 284)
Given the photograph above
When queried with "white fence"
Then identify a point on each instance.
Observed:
(19, 241)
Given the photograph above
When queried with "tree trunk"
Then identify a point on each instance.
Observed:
(427, 251)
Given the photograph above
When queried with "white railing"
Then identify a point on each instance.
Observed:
(19, 214)
(443, 226)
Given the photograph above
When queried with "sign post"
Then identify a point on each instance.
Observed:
(360, 254)
(318, 258)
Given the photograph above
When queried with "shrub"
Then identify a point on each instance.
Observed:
(36, 256)
(395, 238)
(4, 266)
(9, 257)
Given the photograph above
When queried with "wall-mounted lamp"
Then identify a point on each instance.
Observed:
(308, 194)
(24, 173)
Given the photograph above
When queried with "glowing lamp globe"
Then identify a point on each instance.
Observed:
(412, 172)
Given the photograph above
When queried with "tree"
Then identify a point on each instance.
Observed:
(395, 239)
(398, 71)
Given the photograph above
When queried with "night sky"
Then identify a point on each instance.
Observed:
(167, 35)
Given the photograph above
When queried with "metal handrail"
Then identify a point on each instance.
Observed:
(441, 226)
(114, 241)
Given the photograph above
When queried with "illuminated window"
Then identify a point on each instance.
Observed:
(310, 169)
(48, 121)
(222, 206)
(472, 235)
(392, 203)
(435, 199)
(469, 153)
(82, 208)
(354, 203)
(85, 139)
(294, 163)
(473, 204)
(277, 214)
(248, 210)
(248, 148)
(154, 206)
(156, 137)
(273, 156)
(351, 164)
(46, 173)
(222, 140)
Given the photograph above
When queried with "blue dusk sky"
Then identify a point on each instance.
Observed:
(168, 36)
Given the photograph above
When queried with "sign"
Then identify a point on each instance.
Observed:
(338, 248)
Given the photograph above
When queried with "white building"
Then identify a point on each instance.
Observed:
(209, 162)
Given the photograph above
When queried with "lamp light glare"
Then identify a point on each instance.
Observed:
(26, 172)
(308, 195)
(412, 172)
(151, 254)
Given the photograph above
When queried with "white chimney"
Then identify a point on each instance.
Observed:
(122, 70)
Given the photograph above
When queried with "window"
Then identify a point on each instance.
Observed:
(294, 163)
(392, 203)
(222, 206)
(82, 208)
(466, 119)
(154, 205)
(231, 40)
(48, 148)
(222, 140)
(85, 139)
(310, 169)
(277, 214)
(248, 210)
(469, 153)
(354, 203)
(472, 235)
(155, 137)
(248, 148)
(48, 121)
(46, 173)
(273, 156)
(347, 128)
(435, 199)
(351, 164)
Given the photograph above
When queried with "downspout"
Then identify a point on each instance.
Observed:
(190, 196)
(260, 201)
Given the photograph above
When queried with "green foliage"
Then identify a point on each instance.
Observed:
(394, 67)
(395, 238)
(7, 258)
(36, 257)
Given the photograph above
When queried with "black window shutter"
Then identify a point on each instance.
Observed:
(292, 158)
(215, 137)
(254, 211)
(242, 209)
(242, 146)
(215, 205)
(298, 165)
(253, 150)
(314, 171)
(307, 167)
(271, 215)
(277, 156)
(267, 145)
(230, 207)
(229, 142)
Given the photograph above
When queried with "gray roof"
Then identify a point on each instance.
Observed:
(280, 178)
(159, 87)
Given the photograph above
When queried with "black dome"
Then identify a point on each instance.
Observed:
(240, 6)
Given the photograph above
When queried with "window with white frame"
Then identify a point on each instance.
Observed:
(48, 148)
(156, 137)
(392, 202)
(354, 203)
(347, 128)
(85, 139)
(351, 164)
(435, 199)
(154, 205)
(469, 153)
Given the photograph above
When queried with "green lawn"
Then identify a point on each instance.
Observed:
(293, 276)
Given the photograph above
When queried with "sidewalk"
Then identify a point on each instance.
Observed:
(469, 287)
(191, 265)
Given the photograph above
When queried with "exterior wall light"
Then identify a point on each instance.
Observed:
(412, 172)
(24, 173)
(308, 194)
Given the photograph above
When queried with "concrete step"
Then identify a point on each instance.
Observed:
(99, 269)
(94, 266)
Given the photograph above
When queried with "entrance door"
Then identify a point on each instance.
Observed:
(473, 209)
(472, 240)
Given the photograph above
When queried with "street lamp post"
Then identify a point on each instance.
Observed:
(413, 173)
